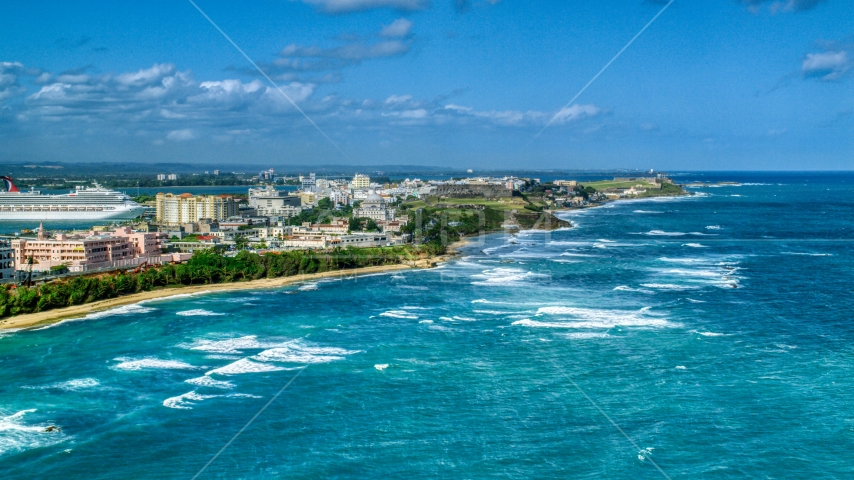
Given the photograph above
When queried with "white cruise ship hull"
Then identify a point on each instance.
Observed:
(117, 212)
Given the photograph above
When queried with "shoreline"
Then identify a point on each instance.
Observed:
(41, 319)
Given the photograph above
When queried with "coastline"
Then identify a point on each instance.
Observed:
(40, 319)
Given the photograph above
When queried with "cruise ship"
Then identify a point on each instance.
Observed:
(84, 203)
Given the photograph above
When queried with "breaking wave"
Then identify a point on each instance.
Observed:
(198, 312)
(151, 363)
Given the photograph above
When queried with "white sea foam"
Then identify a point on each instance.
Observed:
(703, 273)
(151, 363)
(808, 254)
(481, 300)
(17, 436)
(564, 243)
(299, 352)
(504, 277)
(682, 260)
(573, 254)
(680, 367)
(646, 211)
(661, 233)
(381, 366)
(464, 319)
(242, 395)
(207, 381)
(399, 314)
(244, 365)
(9, 331)
(693, 245)
(231, 345)
(667, 286)
(625, 288)
(713, 227)
(426, 321)
(123, 310)
(584, 335)
(198, 312)
(711, 334)
(695, 301)
(185, 401)
(177, 295)
(70, 385)
(307, 287)
(588, 318)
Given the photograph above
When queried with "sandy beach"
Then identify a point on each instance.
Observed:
(50, 316)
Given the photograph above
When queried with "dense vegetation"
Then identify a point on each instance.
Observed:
(207, 267)
(435, 229)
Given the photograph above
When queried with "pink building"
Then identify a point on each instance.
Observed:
(80, 253)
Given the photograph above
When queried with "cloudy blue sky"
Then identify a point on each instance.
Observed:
(722, 84)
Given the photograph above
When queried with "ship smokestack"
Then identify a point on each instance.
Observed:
(10, 186)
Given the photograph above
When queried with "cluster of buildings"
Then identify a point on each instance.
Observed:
(265, 219)
(85, 252)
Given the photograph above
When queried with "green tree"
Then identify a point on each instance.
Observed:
(241, 242)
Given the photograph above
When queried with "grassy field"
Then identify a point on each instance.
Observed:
(501, 205)
(606, 184)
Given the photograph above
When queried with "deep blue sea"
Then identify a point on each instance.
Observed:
(697, 337)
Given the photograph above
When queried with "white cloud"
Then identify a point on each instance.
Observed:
(398, 99)
(781, 5)
(351, 52)
(527, 118)
(349, 6)
(398, 28)
(10, 73)
(826, 65)
(167, 104)
(146, 76)
(180, 135)
(575, 112)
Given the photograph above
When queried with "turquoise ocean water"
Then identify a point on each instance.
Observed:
(715, 331)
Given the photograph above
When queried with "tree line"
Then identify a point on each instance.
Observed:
(204, 268)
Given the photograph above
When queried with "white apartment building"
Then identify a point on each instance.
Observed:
(361, 182)
(185, 208)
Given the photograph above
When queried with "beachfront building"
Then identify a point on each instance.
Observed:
(7, 262)
(375, 208)
(95, 250)
(187, 208)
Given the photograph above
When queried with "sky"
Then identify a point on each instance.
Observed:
(711, 85)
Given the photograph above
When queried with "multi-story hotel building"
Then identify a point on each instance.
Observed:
(186, 208)
(81, 253)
